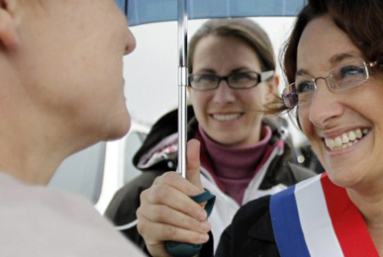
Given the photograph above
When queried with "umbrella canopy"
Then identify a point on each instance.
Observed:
(147, 11)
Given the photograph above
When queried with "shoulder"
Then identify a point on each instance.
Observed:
(254, 218)
(67, 224)
(252, 212)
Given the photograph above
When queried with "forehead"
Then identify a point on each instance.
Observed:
(323, 45)
(230, 52)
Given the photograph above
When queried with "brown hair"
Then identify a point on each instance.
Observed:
(245, 29)
(361, 20)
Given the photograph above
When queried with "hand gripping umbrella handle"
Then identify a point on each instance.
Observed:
(185, 249)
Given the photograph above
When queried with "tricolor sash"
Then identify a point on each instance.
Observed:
(316, 218)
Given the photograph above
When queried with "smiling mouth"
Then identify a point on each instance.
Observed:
(346, 140)
(226, 117)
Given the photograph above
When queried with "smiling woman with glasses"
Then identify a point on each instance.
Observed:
(333, 63)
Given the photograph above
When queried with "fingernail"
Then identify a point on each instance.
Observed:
(204, 238)
(205, 226)
(201, 214)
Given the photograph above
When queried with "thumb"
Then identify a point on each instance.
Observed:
(193, 163)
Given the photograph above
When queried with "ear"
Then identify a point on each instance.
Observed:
(273, 85)
(9, 36)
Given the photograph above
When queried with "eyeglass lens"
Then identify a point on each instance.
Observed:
(340, 78)
(236, 80)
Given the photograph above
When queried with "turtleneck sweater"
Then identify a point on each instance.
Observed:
(235, 167)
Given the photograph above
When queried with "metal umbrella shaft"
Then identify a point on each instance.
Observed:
(182, 84)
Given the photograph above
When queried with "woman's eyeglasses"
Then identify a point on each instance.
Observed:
(237, 80)
(340, 78)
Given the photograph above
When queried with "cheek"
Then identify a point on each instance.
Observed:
(303, 121)
(254, 98)
(199, 101)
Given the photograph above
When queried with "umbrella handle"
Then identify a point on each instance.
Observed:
(185, 249)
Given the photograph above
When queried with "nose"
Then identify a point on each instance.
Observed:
(130, 42)
(223, 94)
(324, 106)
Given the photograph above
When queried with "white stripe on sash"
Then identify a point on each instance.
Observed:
(316, 224)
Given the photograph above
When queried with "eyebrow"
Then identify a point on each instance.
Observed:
(340, 57)
(301, 72)
(212, 71)
(333, 60)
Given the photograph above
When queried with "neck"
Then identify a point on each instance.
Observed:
(29, 163)
(236, 166)
(30, 151)
(369, 203)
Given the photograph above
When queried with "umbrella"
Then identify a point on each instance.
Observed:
(149, 11)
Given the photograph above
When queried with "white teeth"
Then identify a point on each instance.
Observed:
(225, 117)
(337, 142)
(351, 135)
(329, 143)
(345, 140)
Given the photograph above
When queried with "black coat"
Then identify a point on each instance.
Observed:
(250, 234)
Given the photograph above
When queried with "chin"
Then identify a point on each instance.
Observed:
(120, 127)
(345, 177)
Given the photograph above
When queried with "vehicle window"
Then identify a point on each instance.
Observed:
(82, 172)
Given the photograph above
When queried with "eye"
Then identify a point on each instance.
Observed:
(305, 87)
(349, 71)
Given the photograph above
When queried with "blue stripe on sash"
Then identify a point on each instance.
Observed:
(286, 225)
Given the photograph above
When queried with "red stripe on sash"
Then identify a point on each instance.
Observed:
(349, 226)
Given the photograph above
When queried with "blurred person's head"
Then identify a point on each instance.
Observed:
(230, 111)
(61, 79)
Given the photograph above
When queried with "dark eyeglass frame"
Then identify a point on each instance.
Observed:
(263, 76)
(291, 98)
